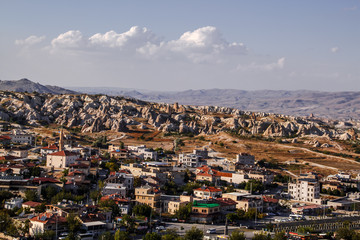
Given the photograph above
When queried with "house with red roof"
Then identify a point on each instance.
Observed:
(208, 192)
(47, 221)
(30, 205)
(49, 149)
(61, 159)
(206, 173)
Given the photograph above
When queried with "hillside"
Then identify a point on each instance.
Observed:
(335, 105)
(25, 85)
(312, 142)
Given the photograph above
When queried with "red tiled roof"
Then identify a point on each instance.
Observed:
(76, 172)
(45, 180)
(222, 174)
(50, 147)
(204, 174)
(209, 189)
(270, 199)
(4, 137)
(50, 218)
(63, 154)
(3, 169)
(225, 201)
(31, 204)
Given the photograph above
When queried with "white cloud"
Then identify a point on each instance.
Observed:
(134, 38)
(70, 39)
(334, 49)
(30, 40)
(279, 64)
(205, 44)
(354, 8)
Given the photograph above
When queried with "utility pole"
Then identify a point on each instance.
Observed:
(56, 227)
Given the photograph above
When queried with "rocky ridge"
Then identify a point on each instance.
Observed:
(94, 113)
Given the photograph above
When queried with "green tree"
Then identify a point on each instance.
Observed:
(31, 195)
(74, 225)
(194, 234)
(170, 234)
(345, 233)
(170, 188)
(41, 208)
(142, 210)
(110, 203)
(184, 212)
(232, 217)
(49, 192)
(190, 186)
(5, 220)
(304, 230)
(261, 236)
(128, 222)
(254, 186)
(137, 182)
(152, 236)
(280, 236)
(106, 236)
(122, 235)
(113, 167)
(47, 235)
(95, 195)
(237, 235)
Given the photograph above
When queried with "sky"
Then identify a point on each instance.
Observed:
(168, 45)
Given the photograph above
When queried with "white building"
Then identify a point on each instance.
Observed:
(201, 152)
(21, 137)
(305, 190)
(190, 160)
(146, 153)
(207, 192)
(61, 159)
(245, 158)
(13, 202)
(114, 188)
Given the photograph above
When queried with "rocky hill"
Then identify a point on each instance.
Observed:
(335, 105)
(25, 85)
(94, 113)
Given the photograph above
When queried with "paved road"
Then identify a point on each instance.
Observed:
(181, 228)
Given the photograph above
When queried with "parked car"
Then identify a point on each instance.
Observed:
(211, 231)
(160, 228)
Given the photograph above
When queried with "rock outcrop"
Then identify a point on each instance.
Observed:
(94, 113)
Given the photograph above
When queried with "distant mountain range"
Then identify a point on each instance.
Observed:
(25, 85)
(333, 105)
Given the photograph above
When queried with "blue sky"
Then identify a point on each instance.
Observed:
(178, 45)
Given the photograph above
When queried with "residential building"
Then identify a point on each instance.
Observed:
(114, 188)
(245, 201)
(204, 212)
(305, 190)
(190, 160)
(13, 202)
(47, 221)
(30, 205)
(61, 159)
(245, 159)
(203, 153)
(207, 192)
(48, 149)
(20, 137)
(148, 195)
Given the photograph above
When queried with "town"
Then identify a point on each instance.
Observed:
(58, 189)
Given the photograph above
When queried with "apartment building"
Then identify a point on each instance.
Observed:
(148, 195)
(305, 190)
